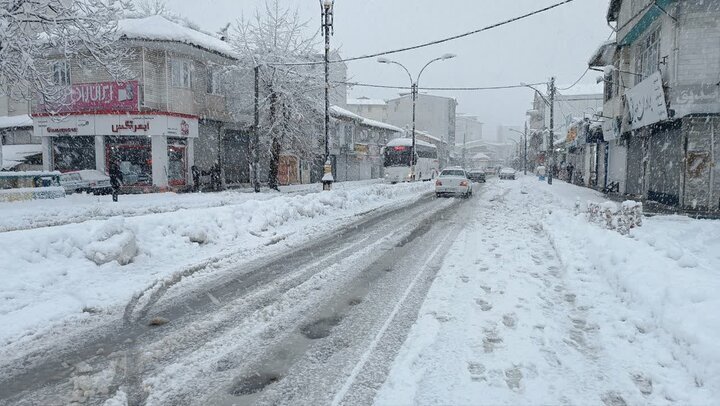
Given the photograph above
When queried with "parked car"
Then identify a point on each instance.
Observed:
(93, 181)
(507, 173)
(73, 183)
(453, 181)
(29, 185)
(477, 175)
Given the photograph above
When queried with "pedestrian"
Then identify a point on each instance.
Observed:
(116, 179)
(570, 169)
(196, 178)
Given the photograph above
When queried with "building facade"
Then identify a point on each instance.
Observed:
(434, 115)
(356, 145)
(170, 116)
(662, 97)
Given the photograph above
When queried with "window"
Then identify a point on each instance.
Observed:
(213, 82)
(647, 55)
(181, 73)
(61, 73)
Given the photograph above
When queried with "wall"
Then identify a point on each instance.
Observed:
(703, 162)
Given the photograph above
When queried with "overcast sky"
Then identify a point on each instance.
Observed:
(558, 42)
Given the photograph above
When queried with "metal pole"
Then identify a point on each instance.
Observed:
(256, 136)
(412, 150)
(327, 81)
(525, 154)
(551, 157)
(464, 146)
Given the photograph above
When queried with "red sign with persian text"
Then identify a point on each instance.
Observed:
(102, 96)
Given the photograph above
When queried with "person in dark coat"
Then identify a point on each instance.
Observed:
(116, 179)
(570, 169)
(196, 178)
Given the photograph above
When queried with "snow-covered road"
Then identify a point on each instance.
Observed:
(511, 297)
(520, 315)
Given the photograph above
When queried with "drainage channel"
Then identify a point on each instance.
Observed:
(275, 364)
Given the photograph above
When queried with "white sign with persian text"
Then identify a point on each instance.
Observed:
(117, 124)
(646, 102)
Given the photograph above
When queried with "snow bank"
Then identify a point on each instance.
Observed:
(52, 273)
(667, 271)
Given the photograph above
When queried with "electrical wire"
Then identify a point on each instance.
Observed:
(436, 42)
(438, 88)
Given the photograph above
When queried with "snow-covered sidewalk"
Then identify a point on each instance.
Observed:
(93, 268)
(535, 305)
(77, 208)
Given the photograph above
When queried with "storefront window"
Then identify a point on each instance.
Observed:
(134, 156)
(177, 169)
(73, 153)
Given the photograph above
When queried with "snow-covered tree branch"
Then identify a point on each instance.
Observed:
(34, 34)
(291, 100)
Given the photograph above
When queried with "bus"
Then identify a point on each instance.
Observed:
(396, 160)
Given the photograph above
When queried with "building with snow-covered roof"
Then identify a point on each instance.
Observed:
(356, 143)
(169, 116)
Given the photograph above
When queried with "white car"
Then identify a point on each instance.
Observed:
(507, 173)
(453, 181)
(91, 181)
(73, 183)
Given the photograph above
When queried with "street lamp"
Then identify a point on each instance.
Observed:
(414, 91)
(551, 104)
(524, 134)
(326, 8)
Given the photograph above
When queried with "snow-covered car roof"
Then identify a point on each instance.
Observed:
(507, 170)
(91, 174)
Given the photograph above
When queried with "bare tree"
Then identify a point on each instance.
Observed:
(291, 96)
(34, 32)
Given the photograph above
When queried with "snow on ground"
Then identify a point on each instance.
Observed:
(82, 207)
(51, 274)
(535, 305)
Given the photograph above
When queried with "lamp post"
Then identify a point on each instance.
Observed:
(326, 7)
(414, 91)
(551, 104)
(524, 134)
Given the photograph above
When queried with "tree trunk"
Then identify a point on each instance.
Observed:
(275, 146)
(274, 163)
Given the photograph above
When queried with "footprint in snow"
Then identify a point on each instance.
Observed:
(510, 320)
(484, 306)
(464, 278)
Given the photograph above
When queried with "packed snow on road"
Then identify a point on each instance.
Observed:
(520, 296)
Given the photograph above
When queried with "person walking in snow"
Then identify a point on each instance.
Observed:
(116, 179)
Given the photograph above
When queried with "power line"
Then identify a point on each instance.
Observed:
(438, 88)
(440, 41)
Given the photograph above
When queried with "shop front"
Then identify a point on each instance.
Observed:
(151, 149)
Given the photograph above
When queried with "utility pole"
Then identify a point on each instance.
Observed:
(464, 146)
(327, 14)
(412, 150)
(525, 153)
(551, 157)
(256, 136)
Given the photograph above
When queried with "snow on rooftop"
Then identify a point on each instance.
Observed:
(364, 101)
(23, 120)
(159, 28)
(13, 155)
(337, 111)
(407, 142)
(379, 124)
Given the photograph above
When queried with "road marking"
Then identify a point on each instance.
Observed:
(339, 396)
